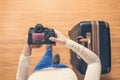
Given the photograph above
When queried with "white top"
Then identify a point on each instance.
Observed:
(93, 70)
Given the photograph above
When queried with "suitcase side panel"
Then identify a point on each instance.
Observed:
(105, 51)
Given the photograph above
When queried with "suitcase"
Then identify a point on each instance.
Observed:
(94, 35)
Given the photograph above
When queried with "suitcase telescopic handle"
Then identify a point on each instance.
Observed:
(86, 40)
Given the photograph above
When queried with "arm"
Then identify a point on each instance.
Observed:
(94, 65)
(24, 62)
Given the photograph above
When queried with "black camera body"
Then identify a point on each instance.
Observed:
(40, 35)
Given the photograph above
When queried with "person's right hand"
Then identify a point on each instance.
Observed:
(60, 37)
(27, 50)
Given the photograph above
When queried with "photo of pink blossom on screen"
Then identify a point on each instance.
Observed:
(38, 37)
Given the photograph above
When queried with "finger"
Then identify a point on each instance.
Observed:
(53, 39)
(33, 46)
(38, 46)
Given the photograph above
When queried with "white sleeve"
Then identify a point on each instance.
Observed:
(23, 68)
(94, 65)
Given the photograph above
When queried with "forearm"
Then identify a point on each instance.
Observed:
(23, 68)
(87, 55)
(94, 65)
(24, 64)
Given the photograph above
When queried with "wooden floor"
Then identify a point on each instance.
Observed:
(17, 16)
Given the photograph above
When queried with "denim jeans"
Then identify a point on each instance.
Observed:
(47, 62)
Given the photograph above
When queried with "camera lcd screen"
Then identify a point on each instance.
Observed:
(38, 38)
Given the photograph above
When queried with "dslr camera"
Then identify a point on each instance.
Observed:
(40, 35)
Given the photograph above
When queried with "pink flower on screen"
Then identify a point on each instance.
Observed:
(38, 36)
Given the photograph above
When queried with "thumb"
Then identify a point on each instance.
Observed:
(53, 39)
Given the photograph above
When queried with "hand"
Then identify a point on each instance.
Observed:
(27, 50)
(60, 37)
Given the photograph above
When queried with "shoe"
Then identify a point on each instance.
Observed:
(56, 59)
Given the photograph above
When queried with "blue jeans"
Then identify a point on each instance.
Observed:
(47, 62)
